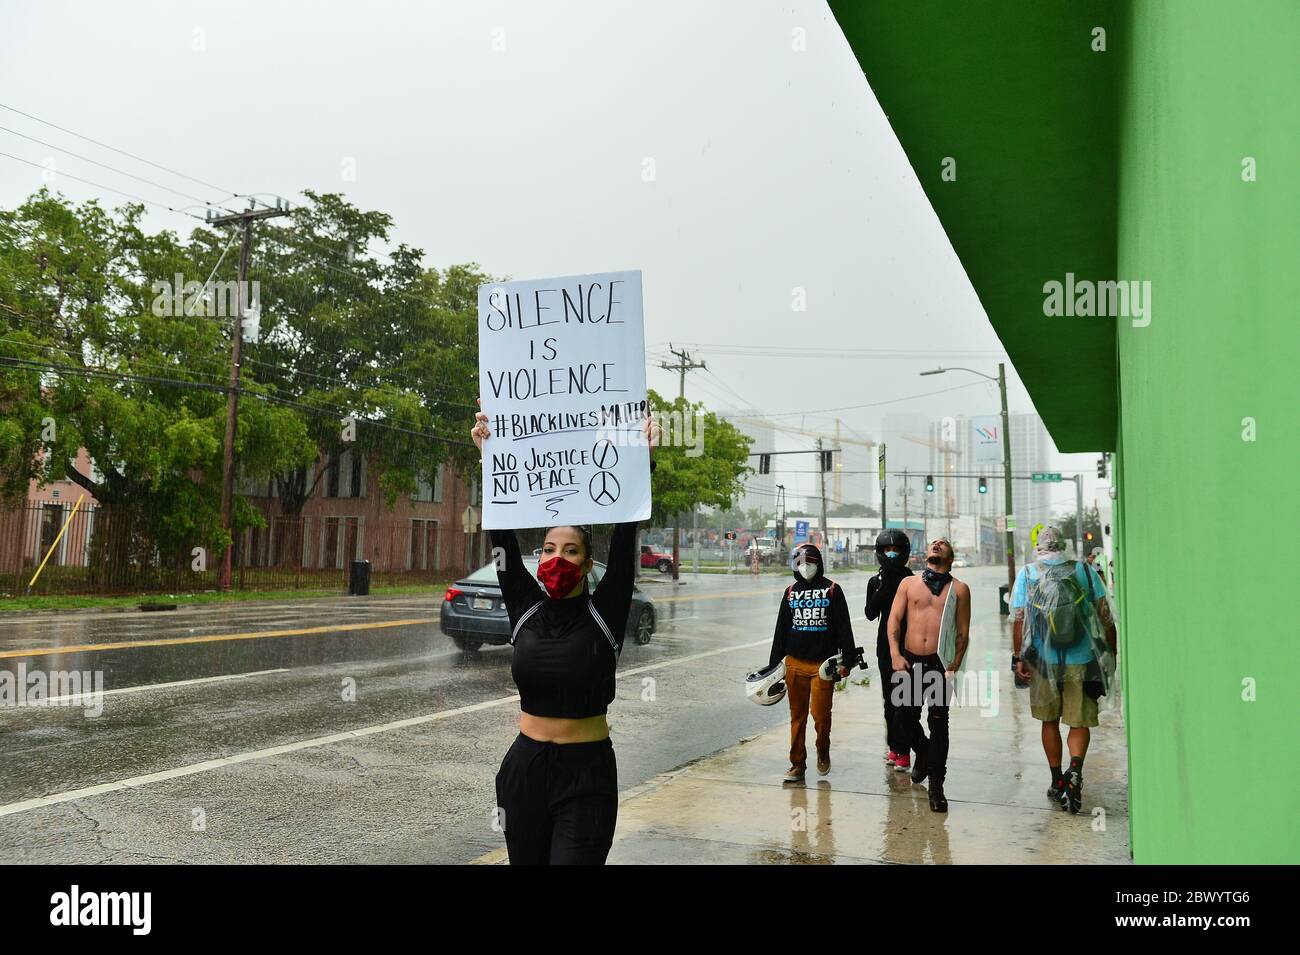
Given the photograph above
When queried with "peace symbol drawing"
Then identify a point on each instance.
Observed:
(604, 488)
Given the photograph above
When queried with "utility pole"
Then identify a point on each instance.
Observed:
(909, 537)
(1006, 480)
(1078, 515)
(1006, 463)
(245, 221)
(684, 364)
(837, 488)
(883, 524)
(821, 469)
(780, 515)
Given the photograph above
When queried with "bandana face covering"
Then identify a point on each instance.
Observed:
(934, 580)
(559, 576)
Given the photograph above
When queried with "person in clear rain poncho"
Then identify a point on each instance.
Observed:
(1064, 644)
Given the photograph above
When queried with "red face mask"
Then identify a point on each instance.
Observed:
(559, 576)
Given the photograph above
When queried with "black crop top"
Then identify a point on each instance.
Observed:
(566, 649)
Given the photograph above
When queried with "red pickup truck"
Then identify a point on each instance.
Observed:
(653, 558)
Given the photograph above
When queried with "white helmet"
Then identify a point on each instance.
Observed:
(766, 686)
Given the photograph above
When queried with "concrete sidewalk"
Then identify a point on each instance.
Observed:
(732, 807)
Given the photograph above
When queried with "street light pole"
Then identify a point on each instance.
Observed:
(1001, 379)
(1006, 480)
(1078, 515)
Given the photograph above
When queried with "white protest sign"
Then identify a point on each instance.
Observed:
(562, 380)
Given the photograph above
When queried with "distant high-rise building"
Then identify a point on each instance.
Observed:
(1031, 450)
(906, 436)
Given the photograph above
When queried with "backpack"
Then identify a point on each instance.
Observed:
(1058, 604)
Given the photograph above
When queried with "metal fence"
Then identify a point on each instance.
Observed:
(106, 550)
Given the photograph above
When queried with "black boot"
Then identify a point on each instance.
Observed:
(921, 768)
(938, 801)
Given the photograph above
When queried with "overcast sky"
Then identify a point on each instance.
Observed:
(691, 140)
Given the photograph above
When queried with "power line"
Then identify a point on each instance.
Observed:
(120, 172)
(872, 404)
(332, 413)
(134, 362)
(120, 192)
(123, 152)
(783, 351)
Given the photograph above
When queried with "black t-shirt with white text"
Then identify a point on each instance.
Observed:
(813, 623)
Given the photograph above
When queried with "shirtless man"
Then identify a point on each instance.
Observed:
(920, 602)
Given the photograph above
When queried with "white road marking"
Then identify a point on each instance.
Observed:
(203, 767)
(152, 686)
(180, 772)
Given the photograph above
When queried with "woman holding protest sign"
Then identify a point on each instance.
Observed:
(557, 790)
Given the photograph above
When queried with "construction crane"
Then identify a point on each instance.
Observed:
(836, 442)
(948, 451)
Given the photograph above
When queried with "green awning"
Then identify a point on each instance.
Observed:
(1014, 93)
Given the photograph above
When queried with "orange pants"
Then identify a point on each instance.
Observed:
(803, 686)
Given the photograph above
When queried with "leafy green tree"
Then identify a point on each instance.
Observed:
(137, 383)
(1091, 522)
(714, 478)
(348, 333)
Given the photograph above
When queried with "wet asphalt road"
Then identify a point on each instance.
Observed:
(259, 755)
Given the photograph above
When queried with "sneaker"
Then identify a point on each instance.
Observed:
(902, 763)
(793, 775)
(823, 764)
(890, 757)
(1056, 792)
(1072, 791)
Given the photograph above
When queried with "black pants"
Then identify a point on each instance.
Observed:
(559, 801)
(885, 664)
(925, 685)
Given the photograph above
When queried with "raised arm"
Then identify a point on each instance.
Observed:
(519, 588)
(612, 597)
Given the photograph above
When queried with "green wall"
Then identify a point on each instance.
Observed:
(1208, 521)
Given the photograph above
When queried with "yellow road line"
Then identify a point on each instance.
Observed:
(212, 638)
(300, 632)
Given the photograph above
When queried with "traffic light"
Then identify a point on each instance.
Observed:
(1101, 468)
(1087, 535)
(826, 460)
(764, 463)
(929, 483)
(984, 486)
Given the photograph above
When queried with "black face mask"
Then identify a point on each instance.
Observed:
(935, 580)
